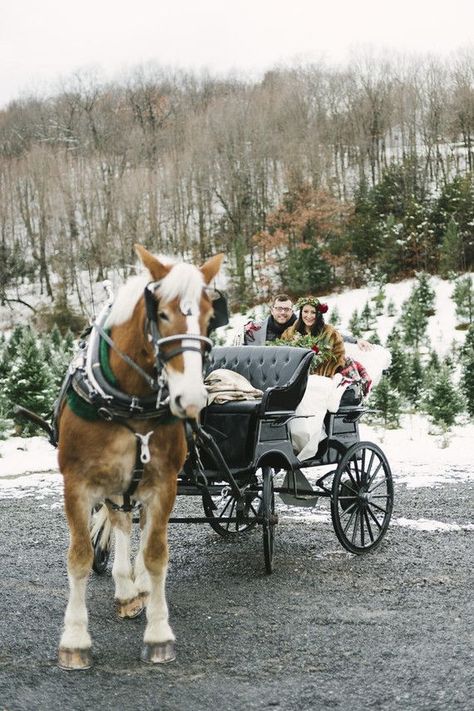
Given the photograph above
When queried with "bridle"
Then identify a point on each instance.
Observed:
(153, 334)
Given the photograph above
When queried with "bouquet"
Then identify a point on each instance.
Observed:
(321, 345)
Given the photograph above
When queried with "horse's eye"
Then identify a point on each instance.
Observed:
(163, 316)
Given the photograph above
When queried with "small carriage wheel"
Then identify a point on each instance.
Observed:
(101, 554)
(221, 517)
(268, 517)
(362, 497)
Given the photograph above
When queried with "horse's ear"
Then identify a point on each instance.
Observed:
(155, 267)
(211, 267)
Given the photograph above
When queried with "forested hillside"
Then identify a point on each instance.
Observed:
(310, 178)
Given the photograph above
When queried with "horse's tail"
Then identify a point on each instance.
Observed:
(101, 528)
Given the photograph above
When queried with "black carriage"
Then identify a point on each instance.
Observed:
(238, 449)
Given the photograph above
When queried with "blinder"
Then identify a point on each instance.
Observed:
(221, 310)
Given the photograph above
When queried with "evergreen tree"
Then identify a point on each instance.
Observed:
(463, 297)
(55, 337)
(366, 317)
(431, 369)
(451, 254)
(414, 381)
(424, 292)
(443, 402)
(335, 317)
(354, 324)
(467, 370)
(379, 300)
(375, 338)
(386, 401)
(415, 322)
(391, 254)
(15, 338)
(391, 308)
(398, 366)
(28, 383)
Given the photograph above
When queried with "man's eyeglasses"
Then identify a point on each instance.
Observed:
(282, 309)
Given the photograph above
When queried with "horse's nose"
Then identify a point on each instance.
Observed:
(191, 411)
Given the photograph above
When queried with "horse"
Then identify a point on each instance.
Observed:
(157, 324)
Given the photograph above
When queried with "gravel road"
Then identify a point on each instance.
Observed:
(391, 630)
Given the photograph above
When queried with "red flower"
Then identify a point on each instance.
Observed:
(315, 349)
(322, 308)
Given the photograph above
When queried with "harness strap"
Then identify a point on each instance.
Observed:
(142, 457)
(103, 334)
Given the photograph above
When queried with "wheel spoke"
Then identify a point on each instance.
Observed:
(355, 525)
(350, 520)
(379, 508)
(349, 471)
(346, 485)
(369, 527)
(374, 518)
(382, 481)
(356, 468)
(367, 471)
(374, 474)
(362, 531)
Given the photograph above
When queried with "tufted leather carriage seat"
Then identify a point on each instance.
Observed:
(280, 372)
(244, 429)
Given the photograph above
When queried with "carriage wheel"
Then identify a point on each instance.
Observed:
(362, 497)
(268, 517)
(101, 554)
(226, 509)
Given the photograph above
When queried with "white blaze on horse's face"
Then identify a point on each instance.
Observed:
(188, 394)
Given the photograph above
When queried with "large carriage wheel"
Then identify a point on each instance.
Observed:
(101, 553)
(268, 517)
(362, 497)
(226, 510)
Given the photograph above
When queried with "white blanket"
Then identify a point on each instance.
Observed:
(324, 395)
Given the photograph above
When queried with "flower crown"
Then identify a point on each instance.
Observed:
(312, 301)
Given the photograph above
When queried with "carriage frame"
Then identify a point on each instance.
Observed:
(238, 450)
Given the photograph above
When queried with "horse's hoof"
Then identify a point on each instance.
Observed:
(74, 659)
(158, 653)
(128, 609)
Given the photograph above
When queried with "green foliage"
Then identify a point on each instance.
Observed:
(414, 381)
(354, 324)
(463, 297)
(375, 338)
(379, 300)
(442, 401)
(423, 292)
(467, 370)
(398, 366)
(29, 381)
(366, 317)
(306, 271)
(391, 308)
(386, 401)
(451, 253)
(334, 317)
(321, 345)
(414, 321)
(451, 218)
